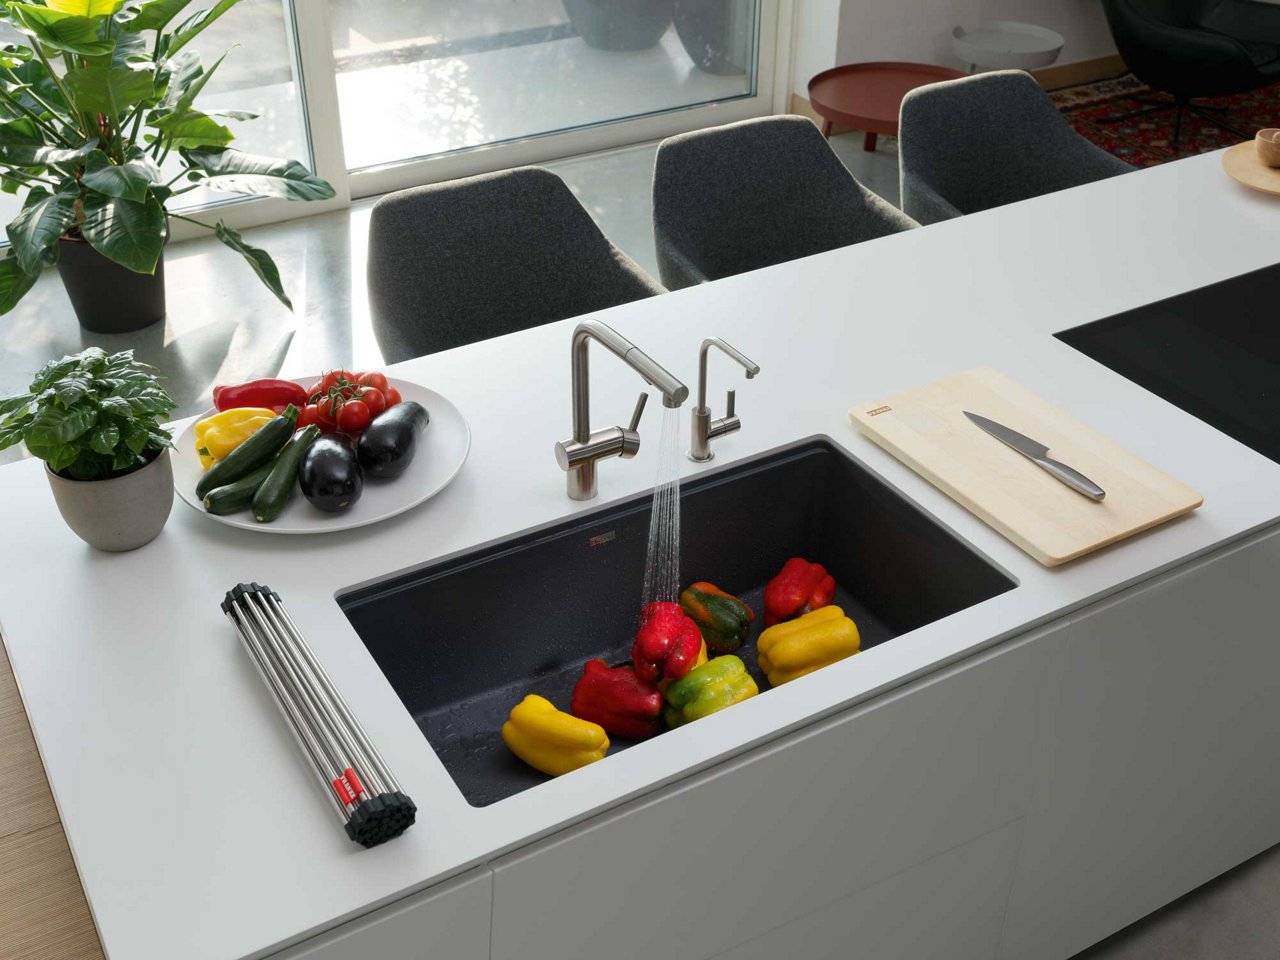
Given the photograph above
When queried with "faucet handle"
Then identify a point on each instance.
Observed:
(638, 412)
(729, 403)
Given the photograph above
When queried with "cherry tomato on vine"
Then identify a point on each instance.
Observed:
(374, 379)
(392, 395)
(327, 410)
(374, 400)
(308, 415)
(353, 417)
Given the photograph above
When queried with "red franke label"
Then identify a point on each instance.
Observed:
(343, 790)
(353, 781)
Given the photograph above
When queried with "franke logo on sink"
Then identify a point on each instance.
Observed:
(601, 539)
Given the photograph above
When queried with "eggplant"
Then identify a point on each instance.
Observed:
(388, 444)
(330, 475)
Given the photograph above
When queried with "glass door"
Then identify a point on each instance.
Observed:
(419, 80)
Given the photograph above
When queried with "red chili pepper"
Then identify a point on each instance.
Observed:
(667, 644)
(798, 588)
(618, 699)
(260, 393)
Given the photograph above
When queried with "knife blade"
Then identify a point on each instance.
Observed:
(1038, 454)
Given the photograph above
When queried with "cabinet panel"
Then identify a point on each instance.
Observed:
(761, 840)
(449, 921)
(1159, 769)
(951, 906)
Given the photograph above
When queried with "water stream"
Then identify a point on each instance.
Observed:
(662, 564)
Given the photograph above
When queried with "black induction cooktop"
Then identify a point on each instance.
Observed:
(1214, 352)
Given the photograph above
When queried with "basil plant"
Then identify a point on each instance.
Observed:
(99, 126)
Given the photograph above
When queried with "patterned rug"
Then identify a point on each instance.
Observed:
(1145, 141)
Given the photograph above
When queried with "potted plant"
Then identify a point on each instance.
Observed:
(619, 24)
(99, 129)
(94, 419)
(716, 34)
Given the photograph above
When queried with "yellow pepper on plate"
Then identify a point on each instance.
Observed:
(218, 435)
(795, 647)
(550, 740)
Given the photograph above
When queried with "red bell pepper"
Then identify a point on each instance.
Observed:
(799, 588)
(617, 699)
(667, 644)
(260, 393)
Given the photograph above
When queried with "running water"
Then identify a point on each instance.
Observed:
(662, 565)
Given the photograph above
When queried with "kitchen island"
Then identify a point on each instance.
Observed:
(1019, 779)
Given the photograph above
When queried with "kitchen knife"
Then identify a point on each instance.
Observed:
(1038, 454)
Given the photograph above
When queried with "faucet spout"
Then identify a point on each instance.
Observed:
(674, 393)
(732, 352)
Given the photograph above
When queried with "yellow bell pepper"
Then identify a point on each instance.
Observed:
(796, 647)
(550, 740)
(218, 435)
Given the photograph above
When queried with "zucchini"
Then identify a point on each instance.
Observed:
(250, 455)
(236, 496)
(273, 493)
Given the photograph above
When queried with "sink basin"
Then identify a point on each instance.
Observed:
(466, 638)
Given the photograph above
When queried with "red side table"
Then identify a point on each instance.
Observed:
(868, 96)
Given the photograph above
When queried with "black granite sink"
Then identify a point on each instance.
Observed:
(465, 639)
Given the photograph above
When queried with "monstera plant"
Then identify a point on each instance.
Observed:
(100, 130)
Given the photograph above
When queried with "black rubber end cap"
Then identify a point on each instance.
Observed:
(381, 818)
(242, 590)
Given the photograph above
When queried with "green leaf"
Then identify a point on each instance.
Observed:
(59, 457)
(153, 15)
(128, 180)
(86, 8)
(234, 114)
(191, 128)
(257, 258)
(136, 436)
(19, 400)
(13, 429)
(109, 90)
(44, 218)
(14, 282)
(62, 31)
(22, 144)
(176, 75)
(118, 406)
(104, 438)
(237, 172)
(13, 55)
(33, 79)
(144, 397)
(73, 388)
(53, 371)
(193, 26)
(54, 426)
(130, 232)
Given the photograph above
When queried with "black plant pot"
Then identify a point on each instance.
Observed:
(619, 24)
(107, 297)
(716, 33)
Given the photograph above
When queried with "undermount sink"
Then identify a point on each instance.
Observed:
(465, 639)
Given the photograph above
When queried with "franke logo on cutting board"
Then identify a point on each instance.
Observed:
(878, 410)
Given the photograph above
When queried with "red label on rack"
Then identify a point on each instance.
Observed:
(343, 790)
(353, 781)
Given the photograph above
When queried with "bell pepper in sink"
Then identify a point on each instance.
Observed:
(667, 643)
(707, 689)
(723, 619)
(550, 740)
(799, 587)
(792, 649)
(619, 700)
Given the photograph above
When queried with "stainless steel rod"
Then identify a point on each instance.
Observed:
(375, 758)
(310, 751)
(332, 716)
(303, 696)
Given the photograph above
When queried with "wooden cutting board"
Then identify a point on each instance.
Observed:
(927, 430)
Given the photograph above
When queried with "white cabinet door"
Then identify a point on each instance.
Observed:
(947, 908)
(783, 831)
(1160, 766)
(449, 921)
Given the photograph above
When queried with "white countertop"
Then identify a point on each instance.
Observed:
(197, 831)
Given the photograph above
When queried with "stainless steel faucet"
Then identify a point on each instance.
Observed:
(580, 453)
(704, 428)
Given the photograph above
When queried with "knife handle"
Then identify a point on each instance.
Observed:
(1074, 479)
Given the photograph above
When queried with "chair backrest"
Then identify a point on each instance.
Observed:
(991, 139)
(470, 259)
(759, 192)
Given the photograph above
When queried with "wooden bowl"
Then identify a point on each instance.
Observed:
(1267, 143)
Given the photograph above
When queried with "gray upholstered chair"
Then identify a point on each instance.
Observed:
(470, 259)
(752, 194)
(982, 141)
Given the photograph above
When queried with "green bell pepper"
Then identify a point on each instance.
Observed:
(704, 690)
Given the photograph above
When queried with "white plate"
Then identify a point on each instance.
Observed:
(442, 450)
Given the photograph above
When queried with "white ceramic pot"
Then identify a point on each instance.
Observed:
(119, 514)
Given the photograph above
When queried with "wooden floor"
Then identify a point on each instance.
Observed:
(43, 913)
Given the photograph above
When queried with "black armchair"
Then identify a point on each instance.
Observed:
(1197, 48)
